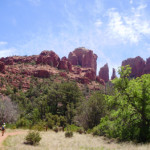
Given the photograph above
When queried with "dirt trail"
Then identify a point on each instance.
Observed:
(2, 138)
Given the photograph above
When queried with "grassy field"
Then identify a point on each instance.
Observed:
(57, 141)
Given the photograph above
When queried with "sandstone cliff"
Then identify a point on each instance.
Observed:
(104, 73)
(84, 58)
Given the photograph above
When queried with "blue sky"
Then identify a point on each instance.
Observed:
(114, 29)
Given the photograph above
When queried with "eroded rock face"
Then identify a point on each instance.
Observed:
(63, 74)
(19, 59)
(147, 66)
(7, 60)
(2, 67)
(137, 64)
(113, 74)
(83, 80)
(49, 58)
(84, 58)
(65, 64)
(41, 73)
(101, 81)
(104, 73)
(90, 74)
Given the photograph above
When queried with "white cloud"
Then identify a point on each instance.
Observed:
(131, 1)
(98, 23)
(128, 27)
(35, 2)
(3, 43)
(7, 52)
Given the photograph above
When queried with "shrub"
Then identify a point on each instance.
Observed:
(33, 138)
(39, 126)
(55, 129)
(96, 130)
(80, 130)
(23, 122)
(69, 134)
(72, 128)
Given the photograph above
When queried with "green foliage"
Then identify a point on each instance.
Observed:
(72, 128)
(91, 111)
(69, 134)
(55, 129)
(23, 122)
(39, 126)
(33, 138)
(80, 130)
(129, 108)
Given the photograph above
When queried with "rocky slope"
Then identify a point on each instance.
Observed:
(80, 66)
(18, 71)
(139, 66)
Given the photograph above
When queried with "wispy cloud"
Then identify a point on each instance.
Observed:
(131, 1)
(128, 27)
(3, 43)
(7, 52)
(35, 2)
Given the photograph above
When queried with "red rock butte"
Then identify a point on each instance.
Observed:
(84, 58)
(138, 65)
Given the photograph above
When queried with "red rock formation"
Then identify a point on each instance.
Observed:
(146, 69)
(83, 80)
(113, 74)
(137, 64)
(7, 60)
(65, 64)
(49, 58)
(83, 57)
(101, 81)
(76, 70)
(63, 74)
(2, 67)
(104, 73)
(90, 74)
(41, 74)
(19, 59)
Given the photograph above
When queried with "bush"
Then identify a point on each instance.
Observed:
(80, 130)
(39, 126)
(96, 130)
(33, 138)
(69, 134)
(72, 128)
(55, 129)
(23, 122)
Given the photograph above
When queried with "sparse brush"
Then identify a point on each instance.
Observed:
(55, 129)
(33, 138)
(69, 134)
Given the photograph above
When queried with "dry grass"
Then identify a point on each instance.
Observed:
(57, 141)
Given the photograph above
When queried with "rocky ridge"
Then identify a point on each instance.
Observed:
(80, 66)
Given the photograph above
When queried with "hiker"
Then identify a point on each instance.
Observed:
(3, 129)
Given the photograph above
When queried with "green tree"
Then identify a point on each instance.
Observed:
(129, 116)
(91, 111)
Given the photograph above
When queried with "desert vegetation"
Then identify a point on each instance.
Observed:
(120, 112)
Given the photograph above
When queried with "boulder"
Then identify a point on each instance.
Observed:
(113, 74)
(104, 73)
(101, 81)
(2, 67)
(137, 64)
(41, 73)
(65, 64)
(49, 58)
(84, 58)
(83, 80)
(77, 70)
(90, 74)
(63, 74)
